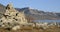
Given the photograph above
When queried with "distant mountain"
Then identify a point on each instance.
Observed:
(2, 10)
(34, 14)
(38, 14)
(58, 14)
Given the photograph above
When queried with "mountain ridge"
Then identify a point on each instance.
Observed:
(34, 14)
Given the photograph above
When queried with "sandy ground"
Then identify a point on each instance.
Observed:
(51, 29)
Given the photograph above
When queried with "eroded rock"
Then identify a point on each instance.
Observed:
(12, 18)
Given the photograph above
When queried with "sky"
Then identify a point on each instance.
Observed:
(44, 5)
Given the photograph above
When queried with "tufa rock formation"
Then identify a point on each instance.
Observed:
(12, 17)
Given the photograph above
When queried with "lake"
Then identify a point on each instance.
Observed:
(46, 20)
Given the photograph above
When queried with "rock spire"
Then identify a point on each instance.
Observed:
(12, 17)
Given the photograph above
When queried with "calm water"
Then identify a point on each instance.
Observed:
(46, 20)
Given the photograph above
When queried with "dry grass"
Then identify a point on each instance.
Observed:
(51, 29)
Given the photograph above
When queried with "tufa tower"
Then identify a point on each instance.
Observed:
(12, 16)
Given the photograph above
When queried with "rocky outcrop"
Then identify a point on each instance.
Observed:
(12, 17)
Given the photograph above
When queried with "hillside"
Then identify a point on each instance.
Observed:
(38, 14)
(2, 10)
(34, 14)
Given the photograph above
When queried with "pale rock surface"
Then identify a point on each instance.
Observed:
(16, 28)
(12, 17)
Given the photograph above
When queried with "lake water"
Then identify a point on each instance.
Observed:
(46, 20)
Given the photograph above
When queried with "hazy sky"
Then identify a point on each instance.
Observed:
(45, 5)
